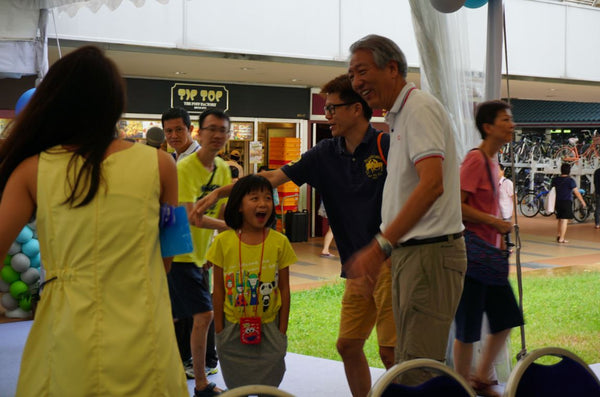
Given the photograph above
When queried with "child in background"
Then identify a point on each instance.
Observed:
(251, 287)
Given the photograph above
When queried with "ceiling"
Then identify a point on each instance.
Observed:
(175, 64)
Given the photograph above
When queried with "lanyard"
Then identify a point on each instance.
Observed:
(262, 252)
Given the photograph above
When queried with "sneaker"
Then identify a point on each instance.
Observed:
(210, 371)
(189, 369)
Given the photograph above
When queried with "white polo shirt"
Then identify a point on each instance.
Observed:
(418, 130)
(194, 146)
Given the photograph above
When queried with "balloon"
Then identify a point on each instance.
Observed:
(30, 276)
(20, 262)
(35, 261)
(14, 248)
(25, 235)
(7, 259)
(18, 289)
(447, 6)
(475, 3)
(4, 286)
(9, 302)
(23, 100)
(33, 224)
(9, 274)
(31, 248)
(17, 313)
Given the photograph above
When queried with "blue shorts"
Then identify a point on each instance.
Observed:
(497, 301)
(189, 290)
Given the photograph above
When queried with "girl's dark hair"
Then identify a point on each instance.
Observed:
(565, 168)
(249, 183)
(78, 105)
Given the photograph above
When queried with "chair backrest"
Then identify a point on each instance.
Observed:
(448, 383)
(252, 390)
(571, 376)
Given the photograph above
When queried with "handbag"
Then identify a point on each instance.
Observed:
(485, 262)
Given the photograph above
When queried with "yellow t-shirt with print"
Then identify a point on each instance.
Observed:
(259, 296)
(193, 181)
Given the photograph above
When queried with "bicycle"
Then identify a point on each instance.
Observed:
(533, 203)
(570, 153)
(581, 213)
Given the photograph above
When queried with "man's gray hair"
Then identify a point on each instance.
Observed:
(384, 50)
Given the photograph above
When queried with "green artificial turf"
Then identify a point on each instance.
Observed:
(562, 311)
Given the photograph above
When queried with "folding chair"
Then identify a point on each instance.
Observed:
(571, 376)
(448, 383)
(252, 390)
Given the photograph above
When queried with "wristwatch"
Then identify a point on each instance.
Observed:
(384, 244)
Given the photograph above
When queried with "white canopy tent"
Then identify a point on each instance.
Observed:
(23, 27)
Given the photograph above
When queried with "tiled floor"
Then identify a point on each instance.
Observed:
(539, 252)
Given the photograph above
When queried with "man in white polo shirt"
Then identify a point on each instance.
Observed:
(421, 210)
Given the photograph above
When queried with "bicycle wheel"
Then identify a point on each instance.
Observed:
(580, 213)
(529, 205)
(565, 152)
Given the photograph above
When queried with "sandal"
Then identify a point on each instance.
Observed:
(485, 388)
(563, 241)
(327, 256)
(208, 391)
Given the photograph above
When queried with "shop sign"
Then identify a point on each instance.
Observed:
(196, 98)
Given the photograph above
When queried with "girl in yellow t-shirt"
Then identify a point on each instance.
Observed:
(251, 296)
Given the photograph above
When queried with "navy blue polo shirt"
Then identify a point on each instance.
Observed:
(350, 184)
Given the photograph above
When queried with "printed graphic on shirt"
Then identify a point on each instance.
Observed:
(255, 294)
(374, 167)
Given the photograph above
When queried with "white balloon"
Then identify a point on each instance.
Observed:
(33, 225)
(20, 262)
(30, 276)
(18, 313)
(4, 286)
(9, 302)
(14, 248)
(447, 6)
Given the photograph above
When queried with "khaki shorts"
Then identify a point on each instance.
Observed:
(360, 315)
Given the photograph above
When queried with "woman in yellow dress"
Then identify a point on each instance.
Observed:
(103, 325)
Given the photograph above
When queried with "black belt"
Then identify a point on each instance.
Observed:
(430, 240)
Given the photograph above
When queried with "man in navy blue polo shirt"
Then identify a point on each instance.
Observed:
(349, 172)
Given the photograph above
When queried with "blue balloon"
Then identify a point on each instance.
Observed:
(23, 100)
(35, 261)
(25, 235)
(475, 3)
(31, 248)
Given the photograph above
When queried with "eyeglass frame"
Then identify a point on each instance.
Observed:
(332, 107)
(213, 129)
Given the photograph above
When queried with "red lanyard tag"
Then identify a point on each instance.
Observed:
(250, 330)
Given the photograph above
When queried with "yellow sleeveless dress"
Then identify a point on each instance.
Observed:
(104, 326)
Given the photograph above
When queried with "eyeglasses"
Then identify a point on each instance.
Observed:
(331, 108)
(213, 130)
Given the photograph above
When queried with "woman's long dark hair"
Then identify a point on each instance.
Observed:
(76, 105)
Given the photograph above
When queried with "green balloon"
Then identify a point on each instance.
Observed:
(25, 303)
(18, 289)
(9, 274)
(7, 260)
